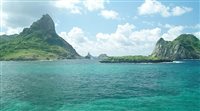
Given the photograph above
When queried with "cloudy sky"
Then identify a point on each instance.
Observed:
(114, 27)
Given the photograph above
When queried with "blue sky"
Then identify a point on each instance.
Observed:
(115, 27)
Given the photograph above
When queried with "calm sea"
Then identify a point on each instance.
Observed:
(87, 85)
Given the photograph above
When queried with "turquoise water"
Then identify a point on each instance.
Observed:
(86, 85)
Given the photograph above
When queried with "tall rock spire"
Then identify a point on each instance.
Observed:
(45, 23)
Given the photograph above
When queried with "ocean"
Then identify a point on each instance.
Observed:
(87, 85)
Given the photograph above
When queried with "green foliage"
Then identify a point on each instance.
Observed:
(39, 42)
(189, 41)
(185, 46)
(29, 54)
(33, 48)
(134, 59)
(5, 38)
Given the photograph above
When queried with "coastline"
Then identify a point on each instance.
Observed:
(134, 59)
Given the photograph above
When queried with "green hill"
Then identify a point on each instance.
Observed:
(185, 46)
(39, 42)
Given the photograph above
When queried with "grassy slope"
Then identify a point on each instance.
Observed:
(38, 42)
(30, 48)
(29, 54)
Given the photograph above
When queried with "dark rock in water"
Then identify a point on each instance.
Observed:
(185, 46)
(39, 42)
(89, 56)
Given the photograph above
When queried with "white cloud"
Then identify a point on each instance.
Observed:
(76, 37)
(119, 37)
(150, 7)
(197, 26)
(3, 17)
(146, 35)
(173, 32)
(2, 33)
(10, 31)
(177, 11)
(93, 5)
(78, 6)
(109, 14)
(197, 34)
(124, 41)
(71, 5)
(125, 29)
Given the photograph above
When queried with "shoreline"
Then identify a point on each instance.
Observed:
(138, 62)
(107, 62)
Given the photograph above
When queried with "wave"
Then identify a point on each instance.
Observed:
(178, 62)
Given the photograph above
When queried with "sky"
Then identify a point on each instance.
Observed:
(114, 27)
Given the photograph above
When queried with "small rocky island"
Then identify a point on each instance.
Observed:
(89, 56)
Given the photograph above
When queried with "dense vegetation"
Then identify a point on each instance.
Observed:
(39, 42)
(185, 46)
(134, 59)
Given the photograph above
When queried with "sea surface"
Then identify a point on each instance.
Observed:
(87, 85)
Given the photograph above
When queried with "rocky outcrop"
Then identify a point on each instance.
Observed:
(185, 46)
(89, 56)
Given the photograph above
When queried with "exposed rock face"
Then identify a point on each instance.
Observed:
(38, 42)
(185, 46)
(45, 23)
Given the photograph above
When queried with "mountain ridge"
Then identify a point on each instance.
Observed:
(38, 42)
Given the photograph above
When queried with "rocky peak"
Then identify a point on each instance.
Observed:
(45, 23)
(185, 46)
(161, 41)
(89, 56)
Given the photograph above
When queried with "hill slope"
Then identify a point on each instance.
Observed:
(185, 46)
(39, 42)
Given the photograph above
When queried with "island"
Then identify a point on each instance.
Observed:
(134, 59)
(38, 42)
(185, 46)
